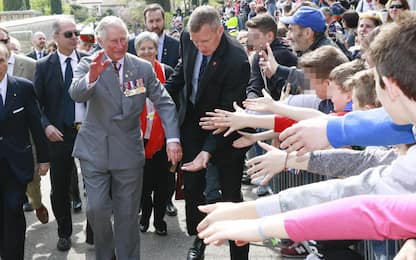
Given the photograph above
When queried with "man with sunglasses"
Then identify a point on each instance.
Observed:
(53, 76)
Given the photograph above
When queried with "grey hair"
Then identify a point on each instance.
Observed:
(56, 25)
(106, 22)
(203, 15)
(146, 36)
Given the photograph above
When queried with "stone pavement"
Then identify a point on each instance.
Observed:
(41, 239)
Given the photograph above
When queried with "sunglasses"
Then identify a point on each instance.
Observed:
(69, 34)
(396, 6)
(5, 41)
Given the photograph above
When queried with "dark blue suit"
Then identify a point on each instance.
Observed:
(170, 55)
(20, 115)
(51, 91)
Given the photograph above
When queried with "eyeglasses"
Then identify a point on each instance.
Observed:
(5, 41)
(69, 34)
(398, 6)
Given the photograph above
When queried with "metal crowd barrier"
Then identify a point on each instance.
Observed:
(292, 178)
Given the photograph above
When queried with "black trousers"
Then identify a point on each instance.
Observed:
(155, 180)
(229, 164)
(61, 170)
(12, 218)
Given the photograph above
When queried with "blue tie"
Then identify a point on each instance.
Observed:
(69, 103)
(203, 67)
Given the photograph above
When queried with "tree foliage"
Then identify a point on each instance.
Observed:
(12, 5)
(56, 7)
(79, 12)
(164, 3)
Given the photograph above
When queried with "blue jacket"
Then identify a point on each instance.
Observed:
(365, 128)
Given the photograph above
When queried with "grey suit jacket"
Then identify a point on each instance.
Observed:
(24, 67)
(110, 136)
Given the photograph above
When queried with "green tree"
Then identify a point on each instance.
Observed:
(11, 5)
(164, 3)
(79, 12)
(41, 5)
(56, 7)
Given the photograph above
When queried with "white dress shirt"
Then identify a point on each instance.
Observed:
(79, 107)
(3, 89)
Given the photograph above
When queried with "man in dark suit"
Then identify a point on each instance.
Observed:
(154, 19)
(213, 73)
(39, 44)
(19, 114)
(167, 53)
(60, 117)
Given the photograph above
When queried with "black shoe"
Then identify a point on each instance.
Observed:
(196, 252)
(161, 232)
(77, 205)
(144, 227)
(27, 207)
(64, 244)
(171, 210)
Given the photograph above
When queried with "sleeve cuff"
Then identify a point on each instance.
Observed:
(334, 132)
(268, 206)
(173, 140)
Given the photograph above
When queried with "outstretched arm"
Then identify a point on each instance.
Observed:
(360, 217)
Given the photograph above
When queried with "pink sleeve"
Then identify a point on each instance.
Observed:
(360, 217)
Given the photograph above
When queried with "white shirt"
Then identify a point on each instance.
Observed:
(79, 107)
(120, 64)
(195, 77)
(160, 47)
(10, 66)
(3, 89)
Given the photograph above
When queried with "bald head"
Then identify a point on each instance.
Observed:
(39, 41)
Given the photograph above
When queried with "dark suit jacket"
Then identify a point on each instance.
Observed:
(21, 115)
(224, 81)
(170, 55)
(50, 89)
(34, 56)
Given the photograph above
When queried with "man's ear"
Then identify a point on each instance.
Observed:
(392, 88)
(308, 32)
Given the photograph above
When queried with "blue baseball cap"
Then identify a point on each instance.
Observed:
(307, 17)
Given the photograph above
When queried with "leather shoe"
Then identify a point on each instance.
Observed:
(64, 244)
(42, 214)
(144, 227)
(161, 232)
(77, 205)
(171, 210)
(27, 207)
(196, 252)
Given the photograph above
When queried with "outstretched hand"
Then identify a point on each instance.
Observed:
(97, 66)
(306, 136)
(268, 164)
(261, 104)
(222, 119)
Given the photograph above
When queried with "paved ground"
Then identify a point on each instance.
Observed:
(41, 239)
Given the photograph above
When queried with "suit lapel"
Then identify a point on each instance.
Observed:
(191, 65)
(56, 68)
(10, 95)
(111, 81)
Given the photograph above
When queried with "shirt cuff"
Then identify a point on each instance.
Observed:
(268, 206)
(173, 140)
(92, 84)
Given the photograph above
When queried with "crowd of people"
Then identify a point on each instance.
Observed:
(137, 110)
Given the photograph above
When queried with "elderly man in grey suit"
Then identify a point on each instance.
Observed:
(115, 85)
